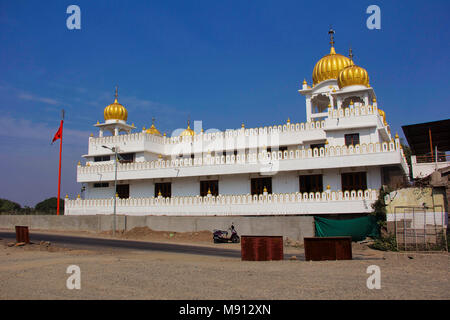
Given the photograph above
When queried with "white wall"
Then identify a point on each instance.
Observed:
(142, 189)
(285, 182)
(99, 193)
(185, 187)
(234, 184)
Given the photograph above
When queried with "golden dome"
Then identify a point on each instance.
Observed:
(115, 111)
(188, 132)
(152, 129)
(353, 75)
(329, 66)
(382, 114)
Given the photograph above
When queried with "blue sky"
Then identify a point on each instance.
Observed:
(222, 62)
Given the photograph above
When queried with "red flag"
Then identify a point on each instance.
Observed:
(58, 134)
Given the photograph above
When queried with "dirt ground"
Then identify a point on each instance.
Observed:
(38, 271)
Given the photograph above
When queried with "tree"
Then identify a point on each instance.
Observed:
(9, 206)
(49, 206)
(407, 153)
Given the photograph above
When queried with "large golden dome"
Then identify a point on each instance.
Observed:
(329, 66)
(115, 111)
(353, 75)
(188, 132)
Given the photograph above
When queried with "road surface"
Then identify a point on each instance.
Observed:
(100, 243)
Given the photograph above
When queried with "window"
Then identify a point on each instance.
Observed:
(352, 139)
(258, 184)
(123, 190)
(282, 149)
(212, 185)
(311, 183)
(165, 188)
(101, 185)
(102, 158)
(354, 181)
(126, 157)
(318, 146)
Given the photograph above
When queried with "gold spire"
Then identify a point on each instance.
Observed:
(304, 81)
(265, 189)
(288, 121)
(331, 33)
(243, 125)
(396, 135)
(153, 130)
(159, 193)
(209, 191)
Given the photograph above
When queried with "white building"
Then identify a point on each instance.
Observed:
(334, 163)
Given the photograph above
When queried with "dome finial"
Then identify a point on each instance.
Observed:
(331, 33)
(116, 95)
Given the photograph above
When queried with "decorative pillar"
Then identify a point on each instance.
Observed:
(308, 109)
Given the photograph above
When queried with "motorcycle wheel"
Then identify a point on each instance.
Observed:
(235, 239)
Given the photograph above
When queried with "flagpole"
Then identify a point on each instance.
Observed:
(59, 172)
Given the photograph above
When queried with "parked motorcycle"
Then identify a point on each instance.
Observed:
(220, 236)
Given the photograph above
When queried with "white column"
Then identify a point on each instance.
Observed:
(366, 99)
(116, 131)
(308, 108)
(339, 102)
(100, 134)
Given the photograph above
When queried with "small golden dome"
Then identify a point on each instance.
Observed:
(353, 75)
(188, 132)
(152, 129)
(304, 81)
(329, 66)
(115, 111)
(383, 114)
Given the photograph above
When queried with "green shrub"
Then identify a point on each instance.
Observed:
(388, 243)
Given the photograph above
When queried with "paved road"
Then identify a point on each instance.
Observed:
(99, 243)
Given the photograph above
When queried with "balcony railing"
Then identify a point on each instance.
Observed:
(282, 203)
(441, 157)
(252, 158)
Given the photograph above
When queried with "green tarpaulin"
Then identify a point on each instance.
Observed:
(357, 228)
